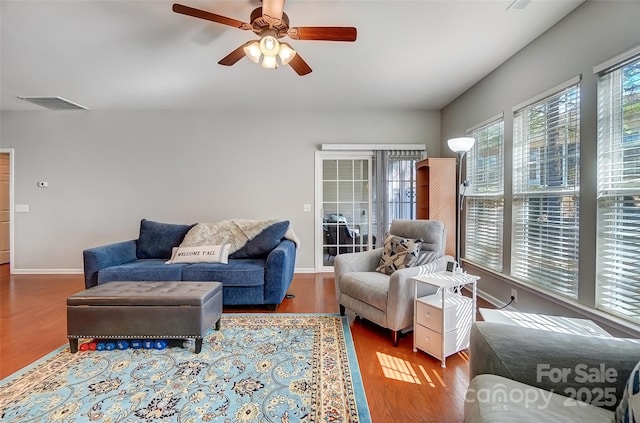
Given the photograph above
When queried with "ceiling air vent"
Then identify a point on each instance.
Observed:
(54, 103)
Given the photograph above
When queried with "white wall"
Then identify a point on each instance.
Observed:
(593, 33)
(106, 170)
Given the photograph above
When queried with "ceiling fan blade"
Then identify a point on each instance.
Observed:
(273, 9)
(208, 16)
(233, 57)
(299, 65)
(324, 33)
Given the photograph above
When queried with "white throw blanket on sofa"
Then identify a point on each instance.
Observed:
(235, 232)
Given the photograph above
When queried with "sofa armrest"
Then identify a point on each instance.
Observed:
(279, 270)
(558, 362)
(98, 258)
(402, 291)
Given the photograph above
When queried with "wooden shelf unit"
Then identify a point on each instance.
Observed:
(436, 195)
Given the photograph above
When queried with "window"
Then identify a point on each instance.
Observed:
(485, 197)
(618, 268)
(546, 170)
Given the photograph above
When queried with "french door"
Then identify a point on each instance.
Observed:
(344, 220)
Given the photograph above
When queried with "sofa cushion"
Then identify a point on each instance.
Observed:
(261, 245)
(142, 270)
(200, 254)
(245, 272)
(398, 253)
(628, 410)
(156, 240)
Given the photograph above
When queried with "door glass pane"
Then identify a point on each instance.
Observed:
(345, 191)
(330, 189)
(330, 170)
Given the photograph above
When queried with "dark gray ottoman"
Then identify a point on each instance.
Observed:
(143, 310)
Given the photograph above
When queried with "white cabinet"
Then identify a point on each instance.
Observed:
(442, 321)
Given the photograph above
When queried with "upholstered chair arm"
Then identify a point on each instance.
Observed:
(279, 269)
(98, 258)
(365, 261)
(401, 292)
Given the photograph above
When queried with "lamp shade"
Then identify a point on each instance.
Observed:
(286, 53)
(252, 51)
(461, 145)
(269, 45)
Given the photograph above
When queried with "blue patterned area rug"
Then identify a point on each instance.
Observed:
(257, 368)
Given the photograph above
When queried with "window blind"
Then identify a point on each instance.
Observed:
(618, 268)
(485, 197)
(546, 172)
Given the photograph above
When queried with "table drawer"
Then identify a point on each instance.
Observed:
(431, 341)
(458, 311)
(428, 340)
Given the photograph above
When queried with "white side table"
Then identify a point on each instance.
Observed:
(442, 321)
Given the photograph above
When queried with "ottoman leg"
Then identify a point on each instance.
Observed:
(217, 326)
(73, 345)
(198, 345)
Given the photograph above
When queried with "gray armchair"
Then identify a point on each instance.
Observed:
(387, 300)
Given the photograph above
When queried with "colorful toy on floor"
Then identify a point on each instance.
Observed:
(123, 344)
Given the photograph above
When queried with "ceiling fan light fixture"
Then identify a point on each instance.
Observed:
(252, 51)
(269, 62)
(286, 53)
(269, 45)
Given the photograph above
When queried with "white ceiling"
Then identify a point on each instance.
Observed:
(138, 54)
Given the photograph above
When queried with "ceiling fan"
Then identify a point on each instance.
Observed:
(271, 24)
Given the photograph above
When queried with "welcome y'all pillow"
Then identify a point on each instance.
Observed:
(200, 254)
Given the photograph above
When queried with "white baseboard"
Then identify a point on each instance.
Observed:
(47, 271)
(80, 271)
(497, 303)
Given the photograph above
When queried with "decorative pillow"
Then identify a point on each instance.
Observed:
(201, 254)
(262, 244)
(157, 240)
(398, 253)
(628, 410)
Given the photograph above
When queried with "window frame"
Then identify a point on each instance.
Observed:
(486, 250)
(545, 210)
(618, 197)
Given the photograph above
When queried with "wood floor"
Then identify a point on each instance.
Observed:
(401, 385)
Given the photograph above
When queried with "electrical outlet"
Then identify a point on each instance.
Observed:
(514, 294)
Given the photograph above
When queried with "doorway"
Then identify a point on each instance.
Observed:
(345, 212)
(6, 169)
(359, 193)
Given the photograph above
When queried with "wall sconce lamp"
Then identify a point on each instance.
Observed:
(460, 146)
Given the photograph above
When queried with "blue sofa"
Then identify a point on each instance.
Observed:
(257, 274)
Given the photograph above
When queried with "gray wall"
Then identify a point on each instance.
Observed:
(594, 32)
(108, 169)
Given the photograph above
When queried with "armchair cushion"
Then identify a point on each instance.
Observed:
(398, 253)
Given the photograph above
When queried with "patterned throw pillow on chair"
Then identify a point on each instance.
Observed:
(398, 253)
(628, 410)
